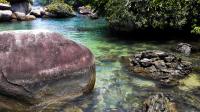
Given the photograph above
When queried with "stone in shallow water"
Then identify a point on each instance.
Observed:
(158, 65)
(39, 65)
(158, 103)
(184, 48)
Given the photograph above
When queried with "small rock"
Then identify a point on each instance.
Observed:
(39, 12)
(5, 15)
(184, 48)
(20, 16)
(85, 10)
(30, 17)
(13, 16)
(5, 6)
(149, 54)
(158, 103)
(169, 59)
(146, 62)
(160, 64)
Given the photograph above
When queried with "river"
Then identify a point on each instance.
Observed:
(116, 89)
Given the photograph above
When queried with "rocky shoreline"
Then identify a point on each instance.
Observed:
(23, 10)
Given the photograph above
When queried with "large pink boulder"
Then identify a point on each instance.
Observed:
(41, 64)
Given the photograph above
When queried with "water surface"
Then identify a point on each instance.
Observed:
(116, 89)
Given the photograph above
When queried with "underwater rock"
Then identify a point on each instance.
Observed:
(158, 103)
(38, 65)
(161, 66)
(184, 48)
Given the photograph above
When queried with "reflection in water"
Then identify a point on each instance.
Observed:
(116, 89)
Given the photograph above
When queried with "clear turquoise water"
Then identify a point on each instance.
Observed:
(116, 90)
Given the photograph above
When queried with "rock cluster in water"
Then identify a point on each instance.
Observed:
(38, 65)
(161, 66)
(158, 103)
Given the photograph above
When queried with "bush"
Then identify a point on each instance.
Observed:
(3, 1)
(155, 14)
(60, 9)
(196, 30)
(78, 3)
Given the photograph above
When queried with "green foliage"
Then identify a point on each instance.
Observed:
(196, 30)
(3, 1)
(60, 9)
(74, 3)
(78, 3)
(155, 14)
(58, 1)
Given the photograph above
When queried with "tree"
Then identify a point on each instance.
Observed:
(129, 15)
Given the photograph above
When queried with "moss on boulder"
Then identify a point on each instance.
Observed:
(60, 10)
(3, 1)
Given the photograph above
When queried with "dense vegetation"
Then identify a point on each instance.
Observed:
(74, 3)
(3, 1)
(128, 15)
(132, 15)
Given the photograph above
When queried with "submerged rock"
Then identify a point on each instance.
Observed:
(159, 65)
(184, 48)
(41, 65)
(158, 103)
